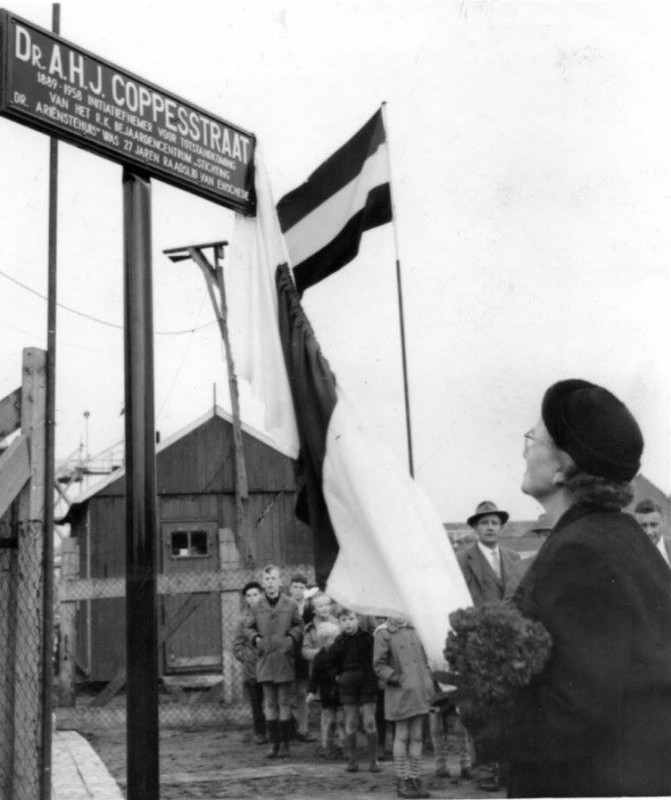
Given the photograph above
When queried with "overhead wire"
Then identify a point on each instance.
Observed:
(97, 319)
(191, 330)
(181, 363)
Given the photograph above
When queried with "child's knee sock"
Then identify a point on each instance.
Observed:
(286, 729)
(439, 740)
(401, 766)
(372, 747)
(327, 735)
(463, 748)
(350, 744)
(413, 767)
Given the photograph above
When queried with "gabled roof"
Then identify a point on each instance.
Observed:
(216, 411)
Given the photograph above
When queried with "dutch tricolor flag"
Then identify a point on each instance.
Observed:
(324, 218)
(380, 547)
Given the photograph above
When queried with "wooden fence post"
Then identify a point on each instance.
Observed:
(229, 559)
(28, 758)
(68, 615)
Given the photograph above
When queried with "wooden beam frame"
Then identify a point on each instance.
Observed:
(14, 471)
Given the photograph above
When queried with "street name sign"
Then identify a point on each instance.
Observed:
(58, 88)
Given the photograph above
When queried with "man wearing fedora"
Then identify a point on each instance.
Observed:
(491, 575)
(542, 527)
(489, 568)
(596, 722)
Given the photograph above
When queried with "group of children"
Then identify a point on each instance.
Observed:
(357, 663)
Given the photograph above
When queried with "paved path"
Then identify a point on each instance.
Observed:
(77, 771)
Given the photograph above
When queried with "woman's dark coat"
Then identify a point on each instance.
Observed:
(597, 720)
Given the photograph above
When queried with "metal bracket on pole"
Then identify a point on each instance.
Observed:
(214, 280)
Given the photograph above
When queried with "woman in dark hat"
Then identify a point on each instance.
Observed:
(597, 721)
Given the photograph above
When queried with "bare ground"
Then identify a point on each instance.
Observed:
(214, 763)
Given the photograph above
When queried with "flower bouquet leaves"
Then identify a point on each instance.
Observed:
(495, 651)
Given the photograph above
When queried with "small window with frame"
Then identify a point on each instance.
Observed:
(189, 544)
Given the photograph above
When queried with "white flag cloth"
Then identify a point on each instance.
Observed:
(395, 558)
(380, 547)
(256, 251)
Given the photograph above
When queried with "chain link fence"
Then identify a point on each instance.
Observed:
(23, 760)
(21, 586)
(201, 682)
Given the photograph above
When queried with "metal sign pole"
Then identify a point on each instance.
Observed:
(49, 465)
(141, 557)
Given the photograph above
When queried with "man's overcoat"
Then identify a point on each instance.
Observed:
(280, 628)
(597, 720)
(483, 583)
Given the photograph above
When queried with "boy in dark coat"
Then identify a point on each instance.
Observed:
(248, 656)
(597, 721)
(351, 656)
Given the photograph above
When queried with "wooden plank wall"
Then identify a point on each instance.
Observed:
(194, 484)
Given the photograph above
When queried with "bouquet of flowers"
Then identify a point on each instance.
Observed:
(495, 651)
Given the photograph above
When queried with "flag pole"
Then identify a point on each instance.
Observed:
(408, 426)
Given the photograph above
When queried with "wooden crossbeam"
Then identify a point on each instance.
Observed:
(225, 580)
(10, 413)
(181, 583)
(14, 471)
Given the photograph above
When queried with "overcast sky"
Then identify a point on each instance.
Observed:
(531, 176)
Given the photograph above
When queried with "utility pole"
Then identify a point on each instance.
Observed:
(214, 280)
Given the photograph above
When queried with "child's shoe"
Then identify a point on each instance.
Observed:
(304, 737)
(352, 766)
(332, 753)
(405, 788)
(419, 788)
(374, 767)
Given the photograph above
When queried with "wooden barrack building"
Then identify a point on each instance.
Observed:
(196, 505)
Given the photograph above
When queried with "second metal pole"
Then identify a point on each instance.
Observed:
(142, 741)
